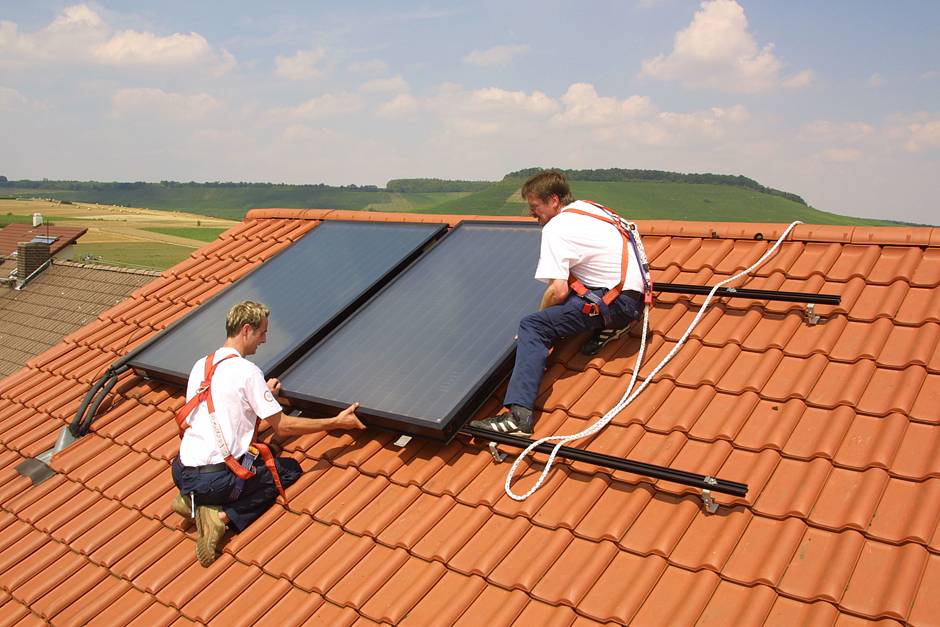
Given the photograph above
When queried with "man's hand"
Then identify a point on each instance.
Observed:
(274, 385)
(347, 419)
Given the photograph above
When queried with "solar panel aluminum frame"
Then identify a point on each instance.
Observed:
(151, 370)
(467, 406)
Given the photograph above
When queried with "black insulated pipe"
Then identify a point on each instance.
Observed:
(96, 395)
(617, 463)
(734, 292)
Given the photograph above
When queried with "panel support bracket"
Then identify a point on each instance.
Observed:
(708, 501)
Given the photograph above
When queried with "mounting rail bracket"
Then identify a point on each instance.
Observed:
(498, 455)
(708, 501)
(811, 316)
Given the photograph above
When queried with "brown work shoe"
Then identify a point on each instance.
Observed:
(209, 533)
(181, 506)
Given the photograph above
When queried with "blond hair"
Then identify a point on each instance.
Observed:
(247, 312)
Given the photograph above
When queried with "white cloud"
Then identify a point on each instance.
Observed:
(497, 55)
(80, 35)
(800, 80)
(876, 80)
(402, 104)
(323, 106)
(300, 66)
(918, 133)
(638, 120)
(391, 84)
(718, 51)
(495, 99)
(147, 101)
(131, 47)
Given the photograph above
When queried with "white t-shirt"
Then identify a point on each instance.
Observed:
(588, 249)
(240, 395)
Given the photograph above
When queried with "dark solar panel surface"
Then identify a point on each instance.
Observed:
(308, 287)
(428, 348)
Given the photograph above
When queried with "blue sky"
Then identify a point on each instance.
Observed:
(836, 101)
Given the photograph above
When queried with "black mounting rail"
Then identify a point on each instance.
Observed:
(736, 292)
(617, 463)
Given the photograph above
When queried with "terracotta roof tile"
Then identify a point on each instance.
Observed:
(872, 591)
(402, 591)
(732, 604)
(822, 565)
(926, 606)
(494, 606)
(919, 453)
(833, 427)
(793, 612)
(679, 597)
(369, 574)
(621, 590)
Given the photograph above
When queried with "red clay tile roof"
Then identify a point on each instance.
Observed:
(62, 298)
(13, 234)
(835, 427)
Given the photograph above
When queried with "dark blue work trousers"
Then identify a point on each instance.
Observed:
(539, 330)
(215, 488)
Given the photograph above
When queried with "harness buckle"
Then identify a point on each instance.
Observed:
(648, 297)
(591, 309)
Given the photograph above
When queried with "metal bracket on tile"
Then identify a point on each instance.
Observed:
(811, 316)
(402, 441)
(498, 455)
(711, 506)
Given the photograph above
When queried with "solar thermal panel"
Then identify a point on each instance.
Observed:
(309, 288)
(427, 349)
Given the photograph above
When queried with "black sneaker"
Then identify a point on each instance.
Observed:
(517, 421)
(600, 338)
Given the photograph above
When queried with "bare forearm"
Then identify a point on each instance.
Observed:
(297, 425)
(555, 294)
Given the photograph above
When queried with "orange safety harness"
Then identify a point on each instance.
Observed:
(204, 393)
(598, 306)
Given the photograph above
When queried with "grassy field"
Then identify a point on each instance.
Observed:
(138, 238)
(200, 233)
(644, 200)
(147, 255)
(223, 202)
(12, 218)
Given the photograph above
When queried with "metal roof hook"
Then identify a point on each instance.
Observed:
(708, 501)
(498, 455)
(812, 318)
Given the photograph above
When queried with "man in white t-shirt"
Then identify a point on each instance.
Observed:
(214, 447)
(577, 243)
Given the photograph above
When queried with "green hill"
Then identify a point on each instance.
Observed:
(649, 200)
(638, 194)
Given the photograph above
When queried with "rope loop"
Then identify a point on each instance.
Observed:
(630, 395)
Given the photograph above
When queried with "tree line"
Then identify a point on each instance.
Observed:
(625, 175)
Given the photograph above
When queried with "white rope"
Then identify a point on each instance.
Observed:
(630, 395)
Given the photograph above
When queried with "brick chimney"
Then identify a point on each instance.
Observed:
(29, 257)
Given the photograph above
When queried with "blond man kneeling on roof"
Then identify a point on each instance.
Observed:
(595, 283)
(226, 479)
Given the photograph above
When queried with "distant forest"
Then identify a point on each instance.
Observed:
(622, 175)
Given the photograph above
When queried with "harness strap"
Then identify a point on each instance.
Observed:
(599, 306)
(205, 394)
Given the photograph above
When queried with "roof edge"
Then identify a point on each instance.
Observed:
(844, 234)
